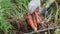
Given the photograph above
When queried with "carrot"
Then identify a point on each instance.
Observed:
(18, 25)
(35, 22)
(30, 22)
(36, 15)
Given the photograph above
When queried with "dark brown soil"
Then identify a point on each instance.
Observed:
(25, 28)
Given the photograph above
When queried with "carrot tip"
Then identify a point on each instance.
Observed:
(35, 29)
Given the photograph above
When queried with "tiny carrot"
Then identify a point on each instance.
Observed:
(35, 22)
(30, 22)
(36, 15)
(18, 25)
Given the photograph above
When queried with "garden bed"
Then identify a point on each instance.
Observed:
(43, 27)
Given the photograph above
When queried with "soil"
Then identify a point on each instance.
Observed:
(25, 28)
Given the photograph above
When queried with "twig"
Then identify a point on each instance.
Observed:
(49, 17)
(44, 30)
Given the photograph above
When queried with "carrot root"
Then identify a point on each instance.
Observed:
(35, 22)
(30, 22)
(36, 15)
(18, 25)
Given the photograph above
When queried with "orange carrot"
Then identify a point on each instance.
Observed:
(35, 22)
(18, 25)
(30, 22)
(36, 15)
